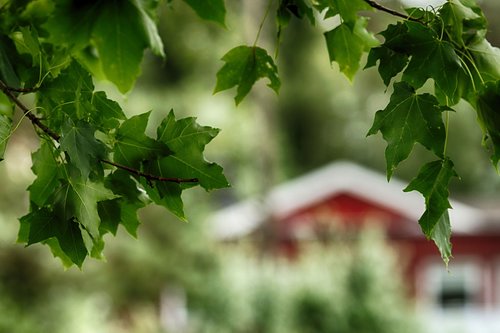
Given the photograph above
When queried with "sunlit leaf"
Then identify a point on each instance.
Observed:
(244, 65)
(187, 140)
(347, 9)
(347, 43)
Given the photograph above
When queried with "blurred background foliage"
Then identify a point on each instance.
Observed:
(319, 117)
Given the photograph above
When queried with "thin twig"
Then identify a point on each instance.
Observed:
(27, 112)
(378, 6)
(23, 90)
(38, 123)
(150, 177)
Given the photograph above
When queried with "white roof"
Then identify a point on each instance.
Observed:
(339, 177)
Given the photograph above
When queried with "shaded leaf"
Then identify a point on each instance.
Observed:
(407, 119)
(7, 52)
(244, 65)
(107, 112)
(165, 194)
(132, 146)
(31, 43)
(391, 63)
(437, 60)
(46, 169)
(110, 215)
(82, 147)
(77, 199)
(487, 104)
(128, 215)
(71, 23)
(45, 226)
(430, 58)
(71, 241)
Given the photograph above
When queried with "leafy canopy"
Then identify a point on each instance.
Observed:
(95, 167)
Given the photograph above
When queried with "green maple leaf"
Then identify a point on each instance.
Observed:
(432, 181)
(71, 241)
(84, 150)
(391, 63)
(437, 60)
(487, 103)
(119, 211)
(71, 27)
(77, 199)
(244, 65)
(430, 58)
(486, 62)
(70, 92)
(110, 215)
(212, 10)
(132, 146)
(46, 169)
(107, 112)
(63, 236)
(347, 9)
(187, 140)
(120, 30)
(42, 225)
(165, 194)
(147, 11)
(347, 43)
(118, 33)
(407, 119)
(123, 185)
(8, 52)
(31, 44)
(463, 20)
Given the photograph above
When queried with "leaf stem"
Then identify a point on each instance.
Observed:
(268, 9)
(447, 129)
(378, 6)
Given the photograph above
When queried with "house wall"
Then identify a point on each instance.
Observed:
(344, 213)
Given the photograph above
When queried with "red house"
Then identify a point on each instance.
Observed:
(351, 196)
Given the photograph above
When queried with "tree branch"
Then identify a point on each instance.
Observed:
(56, 137)
(150, 177)
(27, 112)
(378, 6)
